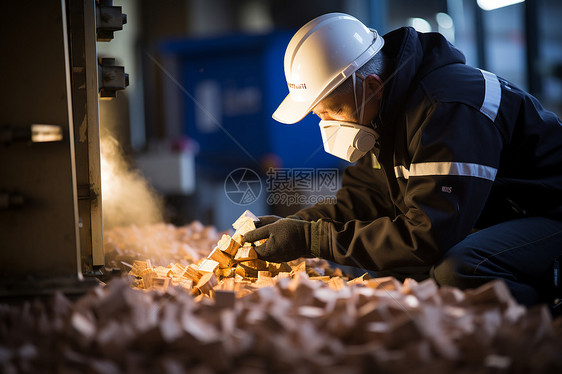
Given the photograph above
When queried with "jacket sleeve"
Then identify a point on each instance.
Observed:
(454, 158)
(364, 196)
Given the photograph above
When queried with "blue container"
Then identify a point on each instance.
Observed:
(232, 85)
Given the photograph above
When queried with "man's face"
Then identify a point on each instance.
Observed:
(337, 108)
(342, 107)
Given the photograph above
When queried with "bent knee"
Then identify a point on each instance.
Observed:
(454, 271)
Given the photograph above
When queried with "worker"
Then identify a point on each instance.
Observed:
(457, 174)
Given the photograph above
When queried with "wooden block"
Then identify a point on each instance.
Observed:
(208, 266)
(147, 276)
(83, 325)
(313, 272)
(226, 284)
(199, 329)
(358, 280)
(245, 272)
(224, 260)
(264, 274)
(244, 218)
(492, 292)
(337, 272)
(256, 264)
(450, 295)
(226, 272)
(160, 283)
(138, 283)
(425, 290)
(298, 266)
(377, 331)
(407, 286)
(337, 283)
(265, 279)
(161, 271)
(186, 283)
(207, 282)
(302, 287)
(245, 288)
(198, 295)
(283, 275)
(276, 268)
(514, 312)
(246, 253)
(430, 322)
(284, 267)
(244, 226)
(260, 242)
(323, 278)
(237, 237)
(178, 269)
(228, 245)
(384, 283)
(312, 312)
(138, 267)
(192, 272)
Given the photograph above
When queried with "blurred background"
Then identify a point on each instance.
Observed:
(194, 127)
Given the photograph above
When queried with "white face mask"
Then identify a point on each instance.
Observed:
(348, 140)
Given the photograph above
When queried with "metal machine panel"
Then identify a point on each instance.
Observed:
(39, 217)
(82, 15)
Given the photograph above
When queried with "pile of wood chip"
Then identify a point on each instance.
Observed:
(161, 243)
(198, 301)
(233, 265)
(295, 325)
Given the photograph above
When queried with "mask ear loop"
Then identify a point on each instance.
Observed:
(354, 92)
(357, 109)
(362, 112)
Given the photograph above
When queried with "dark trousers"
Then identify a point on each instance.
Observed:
(521, 252)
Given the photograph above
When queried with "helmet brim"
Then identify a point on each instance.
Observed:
(291, 111)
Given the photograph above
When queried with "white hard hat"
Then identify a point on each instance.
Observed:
(319, 57)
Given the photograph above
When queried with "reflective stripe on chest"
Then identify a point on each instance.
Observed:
(446, 168)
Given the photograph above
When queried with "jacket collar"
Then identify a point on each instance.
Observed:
(412, 55)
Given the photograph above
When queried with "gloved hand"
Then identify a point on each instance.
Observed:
(287, 239)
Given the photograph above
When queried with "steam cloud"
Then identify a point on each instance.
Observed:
(127, 197)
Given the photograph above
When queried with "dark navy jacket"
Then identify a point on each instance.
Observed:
(458, 148)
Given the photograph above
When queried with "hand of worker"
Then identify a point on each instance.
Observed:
(287, 239)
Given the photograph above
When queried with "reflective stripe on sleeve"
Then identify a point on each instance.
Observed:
(492, 95)
(446, 168)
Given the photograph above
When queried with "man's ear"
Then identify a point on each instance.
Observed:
(375, 86)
